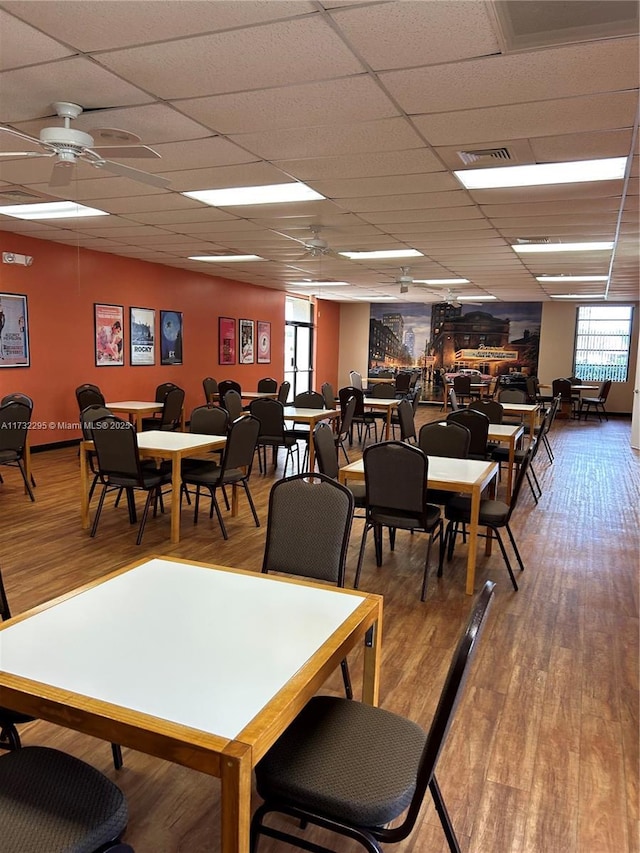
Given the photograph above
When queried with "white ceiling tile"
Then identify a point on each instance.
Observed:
(496, 80)
(111, 23)
(24, 45)
(258, 173)
(278, 54)
(543, 118)
(392, 185)
(329, 102)
(559, 192)
(582, 146)
(401, 34)
(410, 201)
(366, 165)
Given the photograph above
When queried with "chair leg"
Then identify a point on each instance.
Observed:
(245, 486)
(116, 751)
(377, 541)
(505, 557)
(346, 677)
(96, 519)
(425, 578)
(27, 485)
(216, 506)
(443, 814)
(515, 548)
(363, 543)
(151, 496)
(9, 737)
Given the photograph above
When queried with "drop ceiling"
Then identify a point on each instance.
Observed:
(368, 103)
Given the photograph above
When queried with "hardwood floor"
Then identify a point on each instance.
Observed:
(543, 755)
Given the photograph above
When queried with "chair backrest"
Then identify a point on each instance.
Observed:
(328, 395)
(88, 395)
(241, 443)
(326, 450)
(563, 388)
(512, 395)
(232, 402)
(355, 379)
(352, 391)
(396, 477)
(309, 400)
(14, 426)
(88, 417)
(574, 380)
(308, 528)
(385, 374)
(462, 385)
(445, 438)
(382, 391)
(116, 445)
(210, 387)
(347, 411)
(491, 408)
(453, 400)
(404, 381)
(17, 397)
(228, 385)
(533, 388)
(603, 392)
(270, 416)
(445, 711)
(406, 420)
(172, 408)
(478, 425)
(267, 385)
(283, 392)
(163, 389)
(209, 421)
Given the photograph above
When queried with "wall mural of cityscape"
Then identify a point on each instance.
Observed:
(497, 340)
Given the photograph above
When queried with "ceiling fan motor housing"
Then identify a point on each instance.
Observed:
(66, 140)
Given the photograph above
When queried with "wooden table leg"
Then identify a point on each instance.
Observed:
(388, 433)
(473, 539)
(84, 487)
(176, 481)
(312, 451)
(372, 654)
(235, 798)
(512, 451)
(26, 459)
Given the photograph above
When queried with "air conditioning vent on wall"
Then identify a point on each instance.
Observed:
(485, 155)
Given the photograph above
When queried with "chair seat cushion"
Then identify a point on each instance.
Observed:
(9, 456)
(347, 760)
(491, 512)
(406, 521)
(52, 801)
(359, 492)
(204, 473)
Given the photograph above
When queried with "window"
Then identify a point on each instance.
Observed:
(603, 337)
(298, 344)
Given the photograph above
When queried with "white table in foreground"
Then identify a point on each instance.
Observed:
(159, 444)
(311, 417)
(469, 476)
(200, 665)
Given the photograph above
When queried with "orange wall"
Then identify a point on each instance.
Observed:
(327, 343)
(62, 286)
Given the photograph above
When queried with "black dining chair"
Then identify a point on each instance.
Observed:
(210, 388)
(171, 415)
(478, 425)
(89, 395)
(324, 441)
(267, 385)
(14, 427)
(273, 433)
(361, 771)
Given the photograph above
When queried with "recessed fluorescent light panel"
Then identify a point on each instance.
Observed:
(441, 281)
(50, 210)
(391, 253)
(268, 194)
(375, 298)
(319, 283)
(576, 296)
(612, 168)
(475, 298)
(524, 248)
(225, 259)
(569, 279)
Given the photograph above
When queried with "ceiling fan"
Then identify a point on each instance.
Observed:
(316, 246)
(406, 280)
(69, 146)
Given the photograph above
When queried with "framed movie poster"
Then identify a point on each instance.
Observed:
(109, 334)
(142, 335)
(170, 337)
(246, 342)
(264, 342)
(226, 340)
(14, 330)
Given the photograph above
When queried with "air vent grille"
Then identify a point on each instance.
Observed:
(533, 240)
(485, 155)
(20, 194)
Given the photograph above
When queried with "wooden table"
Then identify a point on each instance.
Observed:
(384, 405)
(259, 395)
(469, 476)
(158, 444)
(208, 676)
(139, 409)
(511, 435)
(311, 417)
(529, 409)
(565, 409)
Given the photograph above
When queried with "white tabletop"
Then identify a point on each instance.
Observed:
(133, 406)
(502, 432)
(299, 412)
(520, 407)
(169, 441)
(441, 468)
(381, 402)
(201, 647)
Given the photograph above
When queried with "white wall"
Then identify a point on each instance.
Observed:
(557, 336)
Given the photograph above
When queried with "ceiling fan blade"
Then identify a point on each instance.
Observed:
(24, 154)
(61, 175)
(119, 151)
(129, 172)
(19, 134)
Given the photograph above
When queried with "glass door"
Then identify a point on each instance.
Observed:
(298, 345)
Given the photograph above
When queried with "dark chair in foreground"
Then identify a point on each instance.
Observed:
(596, 403)
(444, 438)
(14, 428)
(51, 801)
(9, 737)
(119, 467)
(495, 515)
(171, 415)
(396, 483)
(308, 533)
(324, 441)
(354, 769)
(234, 470)
(210, 388)
(87, 418)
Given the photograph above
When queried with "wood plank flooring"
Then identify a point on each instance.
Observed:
(543, 755)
